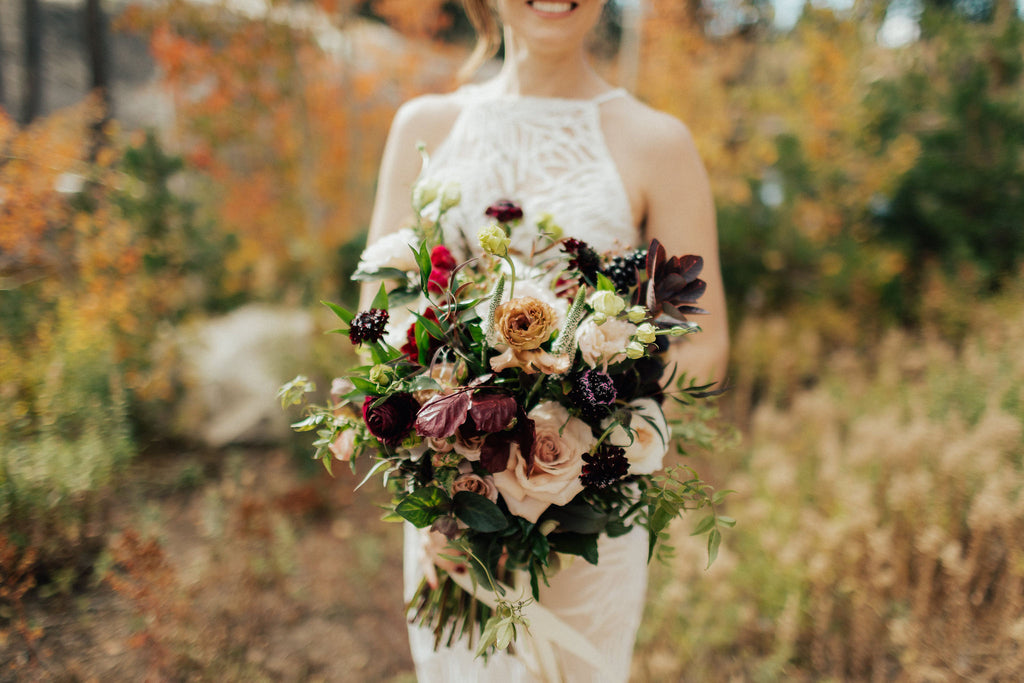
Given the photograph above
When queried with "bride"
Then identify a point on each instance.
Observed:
(548, 133)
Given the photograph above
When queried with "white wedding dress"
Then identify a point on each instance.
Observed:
(548, 155)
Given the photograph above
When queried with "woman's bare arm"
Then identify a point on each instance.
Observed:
(681, 215)
(423, 120)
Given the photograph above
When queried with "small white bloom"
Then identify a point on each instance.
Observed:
(451, 195)
(607, 303)
(390, 251)
(646, 333)
(604, 344)
(424, 193)
(637, 314)
(650, 437)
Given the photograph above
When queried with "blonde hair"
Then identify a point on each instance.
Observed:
(488, 35)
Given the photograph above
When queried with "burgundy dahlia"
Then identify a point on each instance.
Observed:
(592, 392)
(605, 467)
(504, 211)
(392, 419)
(368, 326)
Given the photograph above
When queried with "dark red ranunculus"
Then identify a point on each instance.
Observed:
(392, 419)
(504, 211)
(442, 264)
(441, 257)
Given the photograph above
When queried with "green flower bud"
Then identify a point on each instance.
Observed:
(493, 240)
(381, 375)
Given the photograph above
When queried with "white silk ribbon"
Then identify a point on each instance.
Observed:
(545, 630)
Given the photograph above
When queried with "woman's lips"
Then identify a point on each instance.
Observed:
(552, 8)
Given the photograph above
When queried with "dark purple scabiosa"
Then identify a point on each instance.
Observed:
(504, 211)
(584, 259)
(368, 326)
(605, 467)
(592, 393)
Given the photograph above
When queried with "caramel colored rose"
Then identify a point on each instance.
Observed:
(525, 323)
(483, 486)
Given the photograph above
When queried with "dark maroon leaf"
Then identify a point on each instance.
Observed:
(689, 266)
(442, 415)
(494, 452)
(492, 412)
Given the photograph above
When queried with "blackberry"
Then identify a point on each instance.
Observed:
(368, 326)
(604, 468)
(623, 270)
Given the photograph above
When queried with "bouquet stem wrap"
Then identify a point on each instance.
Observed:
(545, 629)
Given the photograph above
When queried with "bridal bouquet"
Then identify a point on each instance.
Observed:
(512, 403)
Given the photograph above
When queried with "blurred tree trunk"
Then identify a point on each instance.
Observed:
(1004, 12)
(32, 22)
(97, 51)
(3, 99)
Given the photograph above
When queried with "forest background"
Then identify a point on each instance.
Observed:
(870, 203)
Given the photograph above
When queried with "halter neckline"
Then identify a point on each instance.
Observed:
(597, 100)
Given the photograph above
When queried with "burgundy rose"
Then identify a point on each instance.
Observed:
(504, 211)
(392, 419)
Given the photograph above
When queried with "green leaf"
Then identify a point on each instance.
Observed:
(432, 328)
(604, 284)
(423, 506)
(714, 540)
(380, 464)
(381, 300)
(726, 521)
(342, 313)
(479, 513)
(423, 261)
(704, 525)
(577, 517)
(584, 545)
(720, 496)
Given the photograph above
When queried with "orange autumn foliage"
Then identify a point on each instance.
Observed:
(286, 114)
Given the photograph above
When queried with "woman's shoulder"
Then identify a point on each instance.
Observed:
(428, 118)
(652, 147)
(654, 133)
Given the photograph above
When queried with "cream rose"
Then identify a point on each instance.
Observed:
(553, 478)
(604, 345)
(650, 434)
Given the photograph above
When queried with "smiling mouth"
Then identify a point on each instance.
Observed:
(548, 7)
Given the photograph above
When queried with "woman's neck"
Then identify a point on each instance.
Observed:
(547, 74)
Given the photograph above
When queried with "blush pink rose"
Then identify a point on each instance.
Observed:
(553, 476)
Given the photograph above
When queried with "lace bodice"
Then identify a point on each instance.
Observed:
(547, 154)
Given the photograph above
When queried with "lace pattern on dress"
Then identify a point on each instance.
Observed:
(547, 154)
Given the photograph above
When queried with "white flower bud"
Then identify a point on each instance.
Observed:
(635, 350)
(451, 195)
(424, 193)
(637, 314)
(646, 333)
(607, 303)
